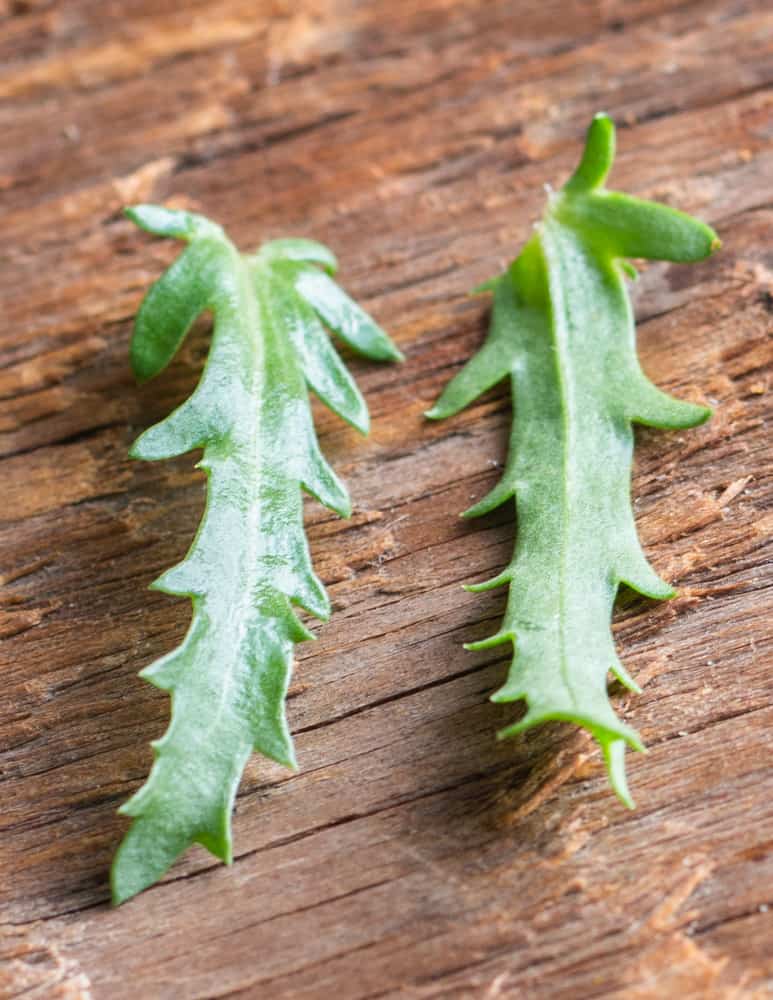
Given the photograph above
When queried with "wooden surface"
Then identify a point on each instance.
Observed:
(413, 856)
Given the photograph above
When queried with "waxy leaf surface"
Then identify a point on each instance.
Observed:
(562, 331)
(249, 564)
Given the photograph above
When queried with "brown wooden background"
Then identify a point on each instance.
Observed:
(413, 856)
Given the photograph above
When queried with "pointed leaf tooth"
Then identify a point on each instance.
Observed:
(167, 671)
(276, 743)
(180, 580)
(310, 594)
(635, 572)
(300, 633)
(184, 430)
(502, 492)
(271, 655)
(219, 843)
(505, 577)
(164, 673)
(322, 483)
(647, 405)
(495, 640)
(344, 317)
(282, 754)
(489, 366)
(624, 677)
(510, 691)
(614, 757)
(528, 721)
(143, 857)
(216, 834)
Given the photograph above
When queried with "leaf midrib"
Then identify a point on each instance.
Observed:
(247, 319)
(563, 364)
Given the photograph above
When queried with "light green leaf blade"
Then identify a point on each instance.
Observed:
(249, 565)
(565, 325)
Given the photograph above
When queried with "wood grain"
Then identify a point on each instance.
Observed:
(413, 856)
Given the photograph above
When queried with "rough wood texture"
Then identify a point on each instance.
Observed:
(413, 856)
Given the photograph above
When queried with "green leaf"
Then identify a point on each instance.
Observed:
(249, 565)
(562, 330)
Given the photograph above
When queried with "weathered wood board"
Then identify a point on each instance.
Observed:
(413, 856)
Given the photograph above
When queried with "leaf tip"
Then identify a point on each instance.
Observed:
(613, 748)
(499, 580)
(128, 876)
(175, 222)
(597, 156)
(390, 351)
(142, 369)
(362, 423)
(281, 750)
(117, 893)
(122, 889)
(498, 639)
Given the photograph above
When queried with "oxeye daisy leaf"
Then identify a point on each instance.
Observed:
(562, 331)
(249, 565)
